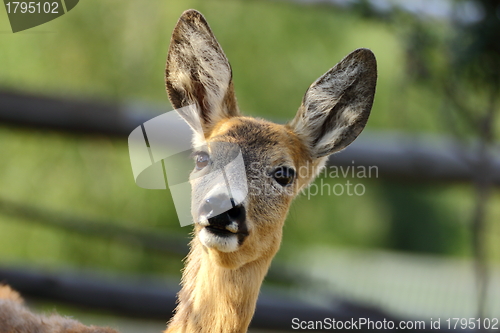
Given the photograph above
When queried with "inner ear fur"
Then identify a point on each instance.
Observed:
(336, 106)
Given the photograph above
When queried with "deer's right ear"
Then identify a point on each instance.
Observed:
(198, 72)
(336, 106)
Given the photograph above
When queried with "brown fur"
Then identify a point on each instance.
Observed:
(219, 287)
(7, 293)
(15, 318)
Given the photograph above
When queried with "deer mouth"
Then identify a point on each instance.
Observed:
(220, 231)
(233, 229)
(229, 223)
(226, 231)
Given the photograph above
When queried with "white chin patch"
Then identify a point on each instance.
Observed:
(221, 243)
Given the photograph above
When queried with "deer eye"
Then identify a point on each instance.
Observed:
(284, 176)
(201, 158)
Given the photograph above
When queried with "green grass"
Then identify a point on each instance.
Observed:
(115, 50)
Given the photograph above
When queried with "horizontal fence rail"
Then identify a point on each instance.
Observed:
(395, 155)
(168, 243)
(150, 299)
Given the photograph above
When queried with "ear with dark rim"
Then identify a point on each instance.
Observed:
(198, 72)
(336, 106)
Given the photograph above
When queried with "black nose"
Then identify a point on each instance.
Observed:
(235, 214)
(223, 215)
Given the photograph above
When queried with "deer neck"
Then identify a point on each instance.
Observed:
(214, 298)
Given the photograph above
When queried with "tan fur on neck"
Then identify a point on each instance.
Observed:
(216, 299)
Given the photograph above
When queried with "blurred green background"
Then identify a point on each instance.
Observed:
(115, 51)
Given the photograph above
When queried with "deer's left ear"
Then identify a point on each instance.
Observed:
(198, 72)
(336, 107)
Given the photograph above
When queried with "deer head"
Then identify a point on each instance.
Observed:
(248, 226)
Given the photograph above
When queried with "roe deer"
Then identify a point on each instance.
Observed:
(232, 251)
